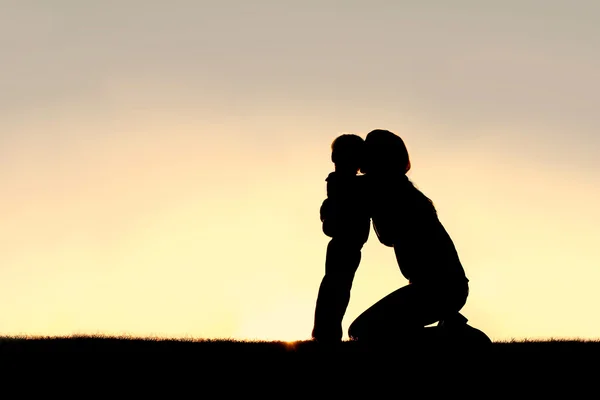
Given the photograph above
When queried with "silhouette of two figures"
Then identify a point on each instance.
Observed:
(403, 219)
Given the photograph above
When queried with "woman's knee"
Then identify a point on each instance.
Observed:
(461, 295)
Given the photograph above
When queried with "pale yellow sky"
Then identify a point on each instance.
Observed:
(162, 167)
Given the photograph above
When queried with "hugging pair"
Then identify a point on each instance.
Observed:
(403, 219)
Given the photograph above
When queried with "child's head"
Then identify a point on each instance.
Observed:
(385, 152)
(347, 152)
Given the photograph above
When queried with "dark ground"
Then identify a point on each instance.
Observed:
(519, 369)
(100, 344)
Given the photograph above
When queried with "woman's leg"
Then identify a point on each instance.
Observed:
(401, 314)
(457, 299)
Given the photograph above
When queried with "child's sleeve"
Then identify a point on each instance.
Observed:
(327, 217)
(328, 208)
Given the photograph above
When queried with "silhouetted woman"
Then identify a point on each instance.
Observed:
(406, 220)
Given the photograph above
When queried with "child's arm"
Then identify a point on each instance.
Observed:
(327, 218)
(328, 208)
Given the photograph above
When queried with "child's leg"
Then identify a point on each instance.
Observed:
(342, 261)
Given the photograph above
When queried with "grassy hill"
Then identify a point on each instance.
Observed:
(517, 369)
(85, 343)
(542, 352)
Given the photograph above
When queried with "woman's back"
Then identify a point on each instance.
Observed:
(405, 219)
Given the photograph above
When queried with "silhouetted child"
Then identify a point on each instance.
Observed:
(346, 220)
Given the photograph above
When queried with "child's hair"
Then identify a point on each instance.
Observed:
(348, 150)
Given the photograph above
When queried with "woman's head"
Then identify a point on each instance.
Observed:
(385, 153)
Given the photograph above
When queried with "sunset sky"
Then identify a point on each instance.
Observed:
(162, 163)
